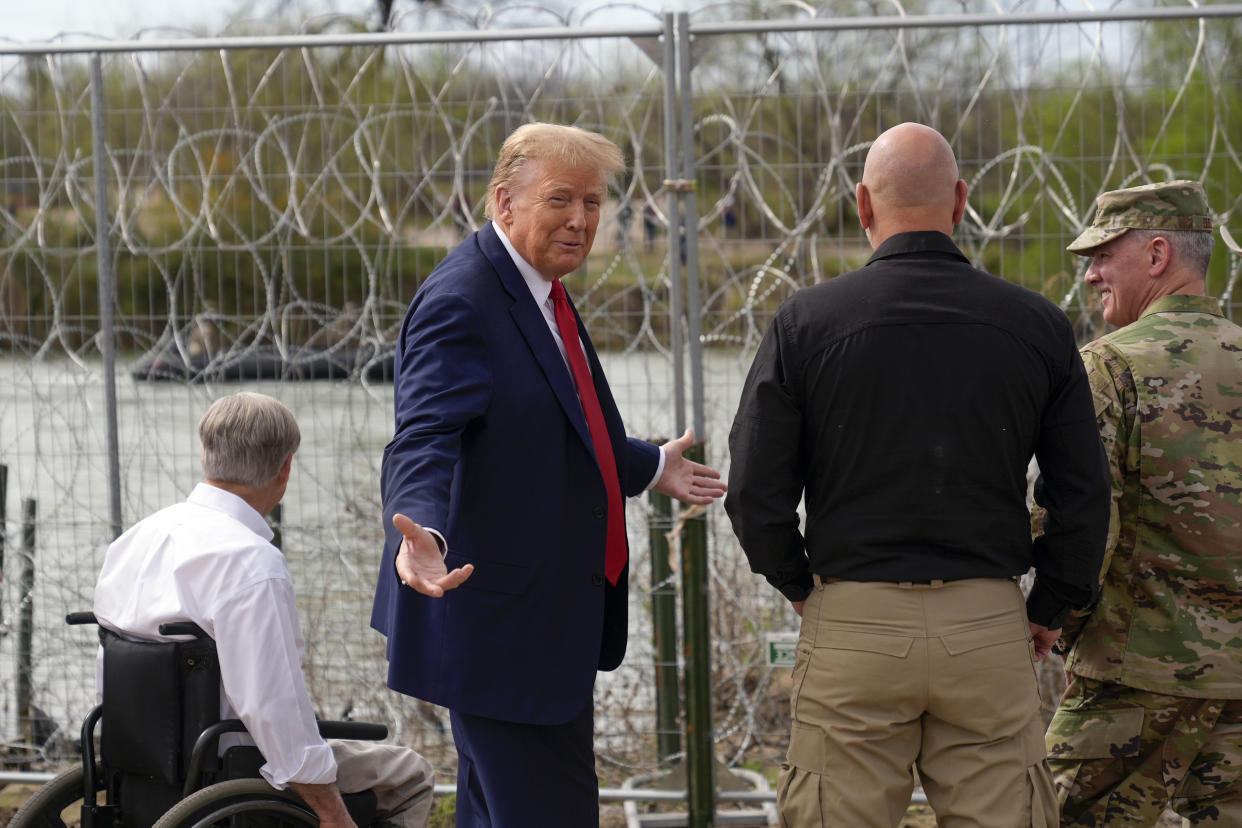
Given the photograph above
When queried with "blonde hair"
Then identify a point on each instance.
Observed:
(246, 438)
(572, 145)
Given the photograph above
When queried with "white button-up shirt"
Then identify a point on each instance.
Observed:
(210, 560)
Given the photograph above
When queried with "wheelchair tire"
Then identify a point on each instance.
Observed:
(239, 802)
(46, 807)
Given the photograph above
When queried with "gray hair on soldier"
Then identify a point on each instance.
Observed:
(1193, 247)
(246, 438)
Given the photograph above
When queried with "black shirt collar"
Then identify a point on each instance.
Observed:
(918, 241)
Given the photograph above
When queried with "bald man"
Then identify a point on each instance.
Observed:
(902, 402)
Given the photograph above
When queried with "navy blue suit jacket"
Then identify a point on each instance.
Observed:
(492, 449)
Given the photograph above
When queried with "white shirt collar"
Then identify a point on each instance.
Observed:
(539, 287)
(213, 497)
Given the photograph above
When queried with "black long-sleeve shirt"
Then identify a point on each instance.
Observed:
(905, 401)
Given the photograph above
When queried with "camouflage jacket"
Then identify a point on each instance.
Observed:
(1168, 400)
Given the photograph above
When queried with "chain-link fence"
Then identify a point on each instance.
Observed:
(270, 207)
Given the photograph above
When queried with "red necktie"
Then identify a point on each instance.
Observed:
(615, 550)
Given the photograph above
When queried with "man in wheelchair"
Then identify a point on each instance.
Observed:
(210, 561)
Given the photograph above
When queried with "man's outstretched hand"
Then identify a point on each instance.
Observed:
(686, 480)
(420, 565)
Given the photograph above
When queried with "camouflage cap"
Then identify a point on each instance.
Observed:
(1169, 205)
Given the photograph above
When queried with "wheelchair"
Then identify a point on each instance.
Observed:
(159, 764)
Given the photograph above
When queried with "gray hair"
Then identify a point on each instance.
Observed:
(246, 438)
(572, 145)
(1194, 247)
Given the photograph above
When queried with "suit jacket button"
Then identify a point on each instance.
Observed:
(598, 511)
(597, 580)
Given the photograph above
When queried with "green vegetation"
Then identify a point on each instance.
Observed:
(443, 812)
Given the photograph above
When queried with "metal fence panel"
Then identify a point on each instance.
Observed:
(271, 213)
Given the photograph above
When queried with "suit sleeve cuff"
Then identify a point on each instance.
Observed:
(659, 472)
(440, 541)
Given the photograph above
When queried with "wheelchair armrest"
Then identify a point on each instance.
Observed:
(183, 628)
(80, 618)
(205, 747)
(205, 750)
(89, 768)
(353, 730)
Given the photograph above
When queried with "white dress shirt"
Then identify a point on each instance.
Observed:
(210, 560)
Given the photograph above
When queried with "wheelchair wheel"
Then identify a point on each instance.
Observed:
(248, 802)
(55, 805)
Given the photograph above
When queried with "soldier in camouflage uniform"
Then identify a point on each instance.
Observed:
(1153, 712)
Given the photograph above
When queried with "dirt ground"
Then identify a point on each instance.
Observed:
(11, 798)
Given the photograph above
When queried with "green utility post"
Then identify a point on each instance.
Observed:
(664, 628)
(25, 627)
(700, 754)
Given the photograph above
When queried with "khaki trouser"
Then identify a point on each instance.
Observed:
(939, 677)
(402, 780)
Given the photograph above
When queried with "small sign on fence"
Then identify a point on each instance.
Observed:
(782, 649)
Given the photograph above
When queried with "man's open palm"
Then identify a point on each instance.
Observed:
(686, 480)
(420, 565)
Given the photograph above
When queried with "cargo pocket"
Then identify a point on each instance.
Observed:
(897, 646)
(992, 647)
(1090, 750)
(834, 663)
(834, 679)
(1095, 734)
(967, 641)
(799, 798)
(1001, 657)
(808, 750)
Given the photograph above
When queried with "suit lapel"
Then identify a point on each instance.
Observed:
(534, 329)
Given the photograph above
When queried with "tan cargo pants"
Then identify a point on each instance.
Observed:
(890, 677)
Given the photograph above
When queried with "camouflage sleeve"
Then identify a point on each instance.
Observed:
(1113, 398)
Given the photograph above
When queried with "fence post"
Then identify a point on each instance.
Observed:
(25, 626)
(4, 527)
(107, 292)
(664, 628)
(690, 226)
(696, 622)
(673, 237)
